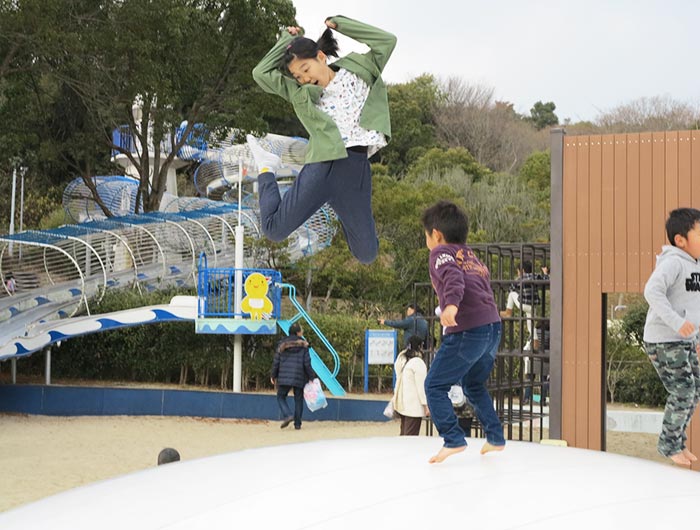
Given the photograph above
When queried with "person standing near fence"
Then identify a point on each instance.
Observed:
(409, 400)
(530, 298)
(671, 329)
(413, 325)
(291, 370)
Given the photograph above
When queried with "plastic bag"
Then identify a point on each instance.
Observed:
(456, 395)
(389, 410)
(313, 395)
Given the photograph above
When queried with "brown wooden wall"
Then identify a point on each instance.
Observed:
(616, 192)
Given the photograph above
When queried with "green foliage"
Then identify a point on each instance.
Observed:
(633, 322)
(65, 87)
(631, 377)
(413, 131)
(535, 173)
(542, 115)
(437, 163)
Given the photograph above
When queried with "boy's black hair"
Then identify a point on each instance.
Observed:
(304, 48)
(294, 328)
(680, 222)
(526, 266)
(449, 219)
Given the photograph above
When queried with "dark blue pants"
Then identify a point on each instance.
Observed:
(282, 391)
(465, 357)
(345, 184)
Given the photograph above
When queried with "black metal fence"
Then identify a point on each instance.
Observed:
(520, 379)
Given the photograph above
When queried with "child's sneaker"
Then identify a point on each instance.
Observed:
(267, 162)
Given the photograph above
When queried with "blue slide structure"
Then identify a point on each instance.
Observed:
(324, 374)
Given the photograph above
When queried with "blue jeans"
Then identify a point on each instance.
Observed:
(282, 391)
(465, 357)
(345, 184)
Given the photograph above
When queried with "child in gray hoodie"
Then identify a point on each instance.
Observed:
(671, 329)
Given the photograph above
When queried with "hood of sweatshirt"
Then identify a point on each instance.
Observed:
(668, 251)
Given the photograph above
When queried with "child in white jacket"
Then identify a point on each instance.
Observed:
(410, 402)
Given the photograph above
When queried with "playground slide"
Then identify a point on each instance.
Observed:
(181, 308)
(44, 334)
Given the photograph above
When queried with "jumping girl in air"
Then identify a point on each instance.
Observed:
(344, 108)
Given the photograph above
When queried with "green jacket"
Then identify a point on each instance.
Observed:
(325, 142)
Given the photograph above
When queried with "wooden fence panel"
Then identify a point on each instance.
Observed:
(633, 212)
(608, 210)
(620, 215)
(658, 211)
(583, 407)
(617, 191)
(569, 313)
(595, 332)
(646, 205)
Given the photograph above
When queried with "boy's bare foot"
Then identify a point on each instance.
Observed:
(680, 459)
(690, 456)
(487, 448)
(444, 452)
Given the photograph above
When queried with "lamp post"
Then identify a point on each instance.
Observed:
(23, 171)
(12, 206)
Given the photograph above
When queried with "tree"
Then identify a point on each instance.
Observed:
(413, 131)
(536, 174)
(649, 114)
(181, 61)
(542, 115)
(467, 116)
(436, 163)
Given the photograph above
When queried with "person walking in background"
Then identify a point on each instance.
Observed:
(414, 325)
(472, 330)
(291, 370)
(409, 400)
(671, 329)
(345, 110)
(530, 298)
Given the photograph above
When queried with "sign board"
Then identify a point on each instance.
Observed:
(380, 346)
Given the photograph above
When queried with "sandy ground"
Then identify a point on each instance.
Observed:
(43, 455)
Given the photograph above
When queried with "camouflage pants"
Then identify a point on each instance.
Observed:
(679, 371)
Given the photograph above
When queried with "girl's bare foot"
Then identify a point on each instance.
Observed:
(487, 448)
(690, 456)
(680, 459)
(444, 452)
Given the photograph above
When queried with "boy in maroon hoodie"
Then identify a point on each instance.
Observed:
(472, 330)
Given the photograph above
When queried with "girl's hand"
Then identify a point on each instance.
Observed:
(294, 30)
(331, 24)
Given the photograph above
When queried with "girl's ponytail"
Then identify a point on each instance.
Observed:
(327, 43)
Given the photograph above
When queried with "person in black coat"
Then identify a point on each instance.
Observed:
(291, 369)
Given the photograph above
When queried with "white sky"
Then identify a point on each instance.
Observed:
(586, 56)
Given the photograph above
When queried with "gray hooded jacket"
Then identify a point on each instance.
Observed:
(673, 293)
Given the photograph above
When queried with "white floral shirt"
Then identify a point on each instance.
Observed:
(343, 100)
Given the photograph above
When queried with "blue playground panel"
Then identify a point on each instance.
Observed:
(216, 310)
(260, 307)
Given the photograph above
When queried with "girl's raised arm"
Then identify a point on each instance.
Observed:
(380, 42)
(267, 73)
